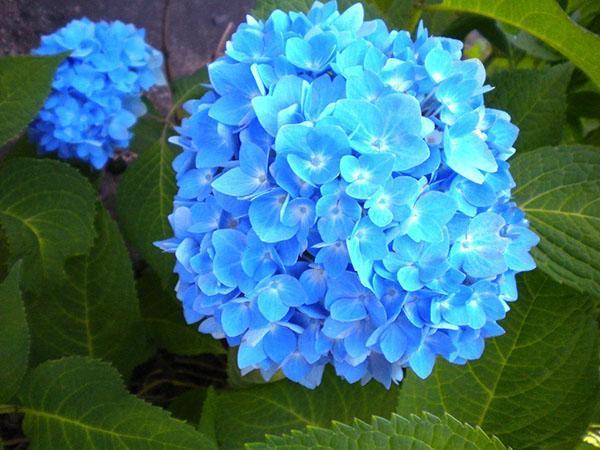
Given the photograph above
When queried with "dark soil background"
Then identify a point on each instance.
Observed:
(193, 27)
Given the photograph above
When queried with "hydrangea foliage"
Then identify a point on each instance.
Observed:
(95, 97)
(345, 198)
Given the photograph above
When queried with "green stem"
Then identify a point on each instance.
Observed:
(9, 409)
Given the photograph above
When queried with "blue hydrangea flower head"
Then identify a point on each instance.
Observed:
(96, 91)
(345, 199)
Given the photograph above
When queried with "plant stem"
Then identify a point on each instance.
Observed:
(165, 38)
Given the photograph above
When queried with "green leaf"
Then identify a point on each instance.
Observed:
(558, 187)
(190, 86)
(188, 406)
(536, 101)
(146, 191)
(96, 312)
(47, 213)
(533, 387)
(145, 199)
(418, 433)
(81, 403)
(584, 104)
(165, 323)
(529, 44)
(25, 83)
(207, 423)
(14, 335)
(264, 8)
(248, 414)
(400, 14)
(147, 130)
(543, 19)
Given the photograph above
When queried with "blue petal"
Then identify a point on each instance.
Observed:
(348, 311)
(393, 343)
(265, 217)
(236, 183)
(227, 262)
(235, 318)
(279, 343)
(271, 306)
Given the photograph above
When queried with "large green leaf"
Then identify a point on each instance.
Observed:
(14, 335)
(558, 188)
(543, 19)
(533, 387)
(47, 212)
(81, 403)
(24, 85)
(246, 415)
(165, 323)
(418, 433)
(96, 312)
(536, 101)
(145, 199)
(146, 191)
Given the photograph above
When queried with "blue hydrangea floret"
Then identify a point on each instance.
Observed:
(96, 91)
(345, 199)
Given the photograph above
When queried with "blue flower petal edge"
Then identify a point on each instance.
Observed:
(96, 91)
(344, 199)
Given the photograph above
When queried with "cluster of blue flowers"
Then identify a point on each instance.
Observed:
(344, 198)
(95, 97)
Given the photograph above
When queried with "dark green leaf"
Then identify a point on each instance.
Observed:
(418, 433)
(188, 406)
(165, 323)
(24, 85)
(145, 199)
(81, 403)
(558, 188)
(190, 86)
(96, 312)
(536, 101)
(584, 104)
(543, 19)
(209, 413)
(399, 14)
(146, 131)
(47, 212)
(264, 8)
(246, 415)
(14, 335)
(533, 387)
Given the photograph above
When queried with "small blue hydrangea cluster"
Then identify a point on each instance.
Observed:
(344, 198)
(96, 91)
